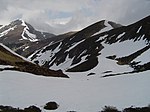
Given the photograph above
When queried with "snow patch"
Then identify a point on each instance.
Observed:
(139, 29)
(125, 48)
(5, 66)
(76, 44)
(26, 48)
(46, 56)
(31, 37)
(101, 38)
(64, 66)
(119, 36)
(7, 31)
(106, 28)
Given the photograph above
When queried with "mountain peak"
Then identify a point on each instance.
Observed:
(22, 31)
(17, 22)
(103, 42)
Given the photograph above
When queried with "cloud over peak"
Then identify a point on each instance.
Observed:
(59, 16)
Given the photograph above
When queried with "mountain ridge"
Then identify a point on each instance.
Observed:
(19, 63)
(81, 51)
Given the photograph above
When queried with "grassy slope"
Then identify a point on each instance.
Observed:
(7, 58)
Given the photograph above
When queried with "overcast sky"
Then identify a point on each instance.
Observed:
(59, 16)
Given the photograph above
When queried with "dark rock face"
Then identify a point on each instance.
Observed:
(51, 106)
(80, 51)
(75, 47)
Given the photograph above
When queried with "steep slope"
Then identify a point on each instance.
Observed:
(19, 30)
(110, 52)
(19, 36)
(11, 61)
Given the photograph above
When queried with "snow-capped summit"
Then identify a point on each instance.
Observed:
(19, 30)
(20, 36)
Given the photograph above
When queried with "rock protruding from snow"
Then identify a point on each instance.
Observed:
(91, 50)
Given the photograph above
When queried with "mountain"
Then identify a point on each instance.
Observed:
(23, 39)
(86, 57)
(11, 61)
(19, 31)
(98, 49)
(19, 36)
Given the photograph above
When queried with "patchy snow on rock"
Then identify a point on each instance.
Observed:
(64, 66)
(46, 56)
(119, 36)
(76, 44)
(106, 28)
(24, 24)
(139, 29)
(6, 31)
(26, 48)
(83, 59)
(2, 26)
(31, 37)
(108, 65)
(101, 38)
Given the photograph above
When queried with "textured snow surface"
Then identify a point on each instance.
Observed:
(79, 93)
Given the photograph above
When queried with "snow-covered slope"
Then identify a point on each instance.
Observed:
(77, 93)
(117, 51)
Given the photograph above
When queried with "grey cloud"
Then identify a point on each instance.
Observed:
(82, 12)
